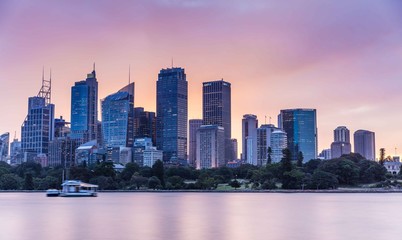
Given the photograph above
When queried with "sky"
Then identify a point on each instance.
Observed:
(343, 58)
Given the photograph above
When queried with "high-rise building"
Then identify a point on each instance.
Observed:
(216, 110)
(210, 147)
(118, 118)
(37, 129)
(84, 109)
(300, 126)
(144, 124)
(16, 154)
(234, 148)
(61, 128)
(171, 111)
(62, 152)
(364, 143)
(4, 145)
(140, 144)
(249, 138)
(278, 143)
(194, 125)
(264, 142)
(341, 144)
(325, 154)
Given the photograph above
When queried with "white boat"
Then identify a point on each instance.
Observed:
(76, 188)
(52, 193)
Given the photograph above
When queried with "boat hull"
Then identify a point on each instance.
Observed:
(93, 194)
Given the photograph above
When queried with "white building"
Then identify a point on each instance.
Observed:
(210, 147)
(279, 142)
(151, 155)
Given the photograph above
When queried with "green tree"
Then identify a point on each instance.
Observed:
(269, 160)
(138, 181)
(286, 162)
(176, 182)
(10, 181)
(159, 172)
(382, 156)
(129, 170)
(154, 182)
(235, 184)
(300, 159)
(28, 182)
(346, 170)
(105, 169)
(324, 180)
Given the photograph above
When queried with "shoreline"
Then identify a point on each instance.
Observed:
(342, 190)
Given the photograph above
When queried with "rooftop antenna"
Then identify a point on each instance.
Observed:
(172, 62)
(45, 90)
(94, 67)
(265, 119)
(129, 74)
(269, 120)
(15, 135)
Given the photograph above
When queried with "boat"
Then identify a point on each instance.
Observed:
(76, 188)
(52, 193)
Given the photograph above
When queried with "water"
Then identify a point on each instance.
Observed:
(202, 216)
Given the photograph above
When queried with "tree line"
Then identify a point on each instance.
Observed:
(348, 170)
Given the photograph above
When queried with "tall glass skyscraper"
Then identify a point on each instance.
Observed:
(249, 138)
(84, 109)
(118, 118)
(4, 146)
(216, 110)
(171, 111)
(144, 124)
(300, 126)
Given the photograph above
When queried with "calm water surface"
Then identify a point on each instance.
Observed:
(202, 216)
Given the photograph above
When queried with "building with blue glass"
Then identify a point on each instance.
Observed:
(84, 109)
(216, 110)
(300, 126)
(172, 114)
(144, 124)
(118, 118)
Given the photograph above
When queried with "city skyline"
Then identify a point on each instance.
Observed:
(350, 73)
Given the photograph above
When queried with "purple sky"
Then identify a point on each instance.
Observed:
(343, 58)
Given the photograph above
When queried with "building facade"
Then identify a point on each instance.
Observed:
(216, 110)
(278, 143)
(364, 144)
(172, 114)
(194, 124)
(300, 126)
(210, 147)
(264, 143)
(234, 148)
(118, 118)
(249, 138)
(84, 109)
(341, 144)
(4, 146)
(144, 124)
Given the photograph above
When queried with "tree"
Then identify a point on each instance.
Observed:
(286, 161)
(346, 170)
(106, 169)
(176, 182)
(159, 172)
(269, 160)
(28, 182)
(138, 181)
(235, 184)
(129, 170)
(324, 180)
(154, 182)
(382, 156)
(300, 159)
(10, 181)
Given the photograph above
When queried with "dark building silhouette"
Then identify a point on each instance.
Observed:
(144, 124)
(364, 143)
(195, 124)
(171, 111)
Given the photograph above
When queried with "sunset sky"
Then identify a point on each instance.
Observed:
(343, 58)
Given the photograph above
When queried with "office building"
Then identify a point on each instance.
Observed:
(84, 109)
(300, 126)
(192, 155)
(151, 155)
(171, 111)
(144, 124)
(16, 155)
(234, 148)
(341, 144)
(4, 146)
(249, 138)
(325, 154)
(37, 129)
(216, 110)
(263, 143)
(62, 152)
(118, 118)
(210, 147)
(278, 143)
(364, 144)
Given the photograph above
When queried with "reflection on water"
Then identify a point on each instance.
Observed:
(201, 216)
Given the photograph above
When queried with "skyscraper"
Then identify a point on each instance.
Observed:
(249, 138)
(37, 129)
(216, 110)
(264, 142)
(300, 126)
(341, 144)
(364, 143)
(118, 118)
(194, 125)
(144, 124)
(84, 109)
(234, 148)
(210, 147)
(171, 111)
(278, 143)
(4, 146)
